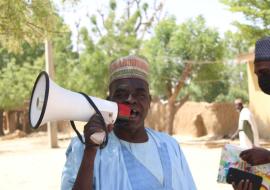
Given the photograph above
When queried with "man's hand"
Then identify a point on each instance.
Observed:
(256, 156)
(233, 137)
(243, 185)
(94, 133)
(84, 180)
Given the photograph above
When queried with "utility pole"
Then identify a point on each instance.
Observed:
(51, 126)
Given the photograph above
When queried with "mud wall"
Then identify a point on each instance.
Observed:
(196, 119)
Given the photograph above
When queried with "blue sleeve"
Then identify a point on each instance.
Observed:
(182, 177)
(186, 171)
(186, 176)
(74, 155)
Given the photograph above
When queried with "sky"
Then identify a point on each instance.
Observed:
(215, 13)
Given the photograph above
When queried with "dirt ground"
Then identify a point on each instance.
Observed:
(28, 163)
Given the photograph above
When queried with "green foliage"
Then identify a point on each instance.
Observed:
(170, 49)
(195, 41)
(25, 21)
(64, 59)
(119, 34)
(18, 70)
(87, 72)
(164, 67)
(257, 14)
(17, 82)
(116, 34)
(235, 44)
(255, 26)
(17, 74)
(211, 81)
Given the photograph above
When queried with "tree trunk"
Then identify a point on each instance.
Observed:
(1, 124)
(12, 117)
(25, 122)
(172, 108)
(170, 116)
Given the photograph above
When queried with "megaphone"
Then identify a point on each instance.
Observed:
(50, 102)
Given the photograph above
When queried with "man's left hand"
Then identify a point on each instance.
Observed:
(256, 156)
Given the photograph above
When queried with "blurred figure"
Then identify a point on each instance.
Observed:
(247, 128)
(258, 156)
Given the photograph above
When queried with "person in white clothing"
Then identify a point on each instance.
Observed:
(247, 128)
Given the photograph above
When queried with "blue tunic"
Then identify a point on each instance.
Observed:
(158, 164)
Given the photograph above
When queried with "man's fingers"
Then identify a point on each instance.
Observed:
(98, 137)
(234, 186)
(244, 153)
(240, 185)
(246, 184)
(97, 119)
(245, 156)
(250, 186)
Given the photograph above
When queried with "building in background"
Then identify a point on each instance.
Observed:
(259, 102)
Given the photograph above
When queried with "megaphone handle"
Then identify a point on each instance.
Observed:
(103, 122)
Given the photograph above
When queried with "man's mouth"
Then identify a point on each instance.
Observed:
(126, 112)
(134, 113)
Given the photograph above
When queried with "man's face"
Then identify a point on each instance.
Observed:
(134, 92)
(262, 70)
(238, 106)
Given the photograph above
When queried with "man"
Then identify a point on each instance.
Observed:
(135, 158)
(247, 128)
(257, 156)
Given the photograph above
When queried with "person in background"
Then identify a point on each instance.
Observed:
(135, 157)
(247, 128)
(258, 156)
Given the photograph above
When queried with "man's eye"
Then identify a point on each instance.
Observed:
(141, 95)
(120, 95)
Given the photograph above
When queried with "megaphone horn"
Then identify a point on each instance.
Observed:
(50, 102)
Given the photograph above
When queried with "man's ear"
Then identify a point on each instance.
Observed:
(150, 98)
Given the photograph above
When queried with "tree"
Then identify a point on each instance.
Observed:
(255, 26)
(115, 34)
(25, 21)
(235, 44)
(238, 83)
(18, 70)
(257, 15)
(175, 53)
(1, 126)
(17, 82)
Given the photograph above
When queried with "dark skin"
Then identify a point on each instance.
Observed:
(256, 155)
(134, 92)
(243, 185)
(261, 68)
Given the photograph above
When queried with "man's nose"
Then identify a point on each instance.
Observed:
(130, 99)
